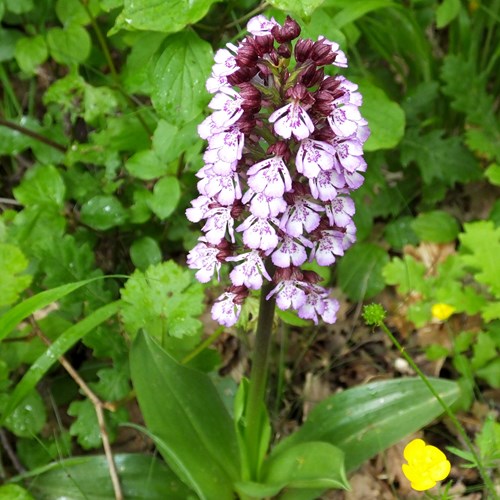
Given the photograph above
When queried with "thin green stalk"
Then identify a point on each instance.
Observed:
(9, 91)
(258, 378)
(484, 475)
(207, 342)
(101, 40)
(34, 135)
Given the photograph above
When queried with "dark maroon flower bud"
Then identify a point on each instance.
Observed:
(264, 44)
(288, 32)
(244, 74)
(330, 84)
(237, 209)
(303, 49)
(246, 56)
(317, 78)
(251, 97)
(274, 57)
(322, 53)
(241, 293)
(285, 51)
(311, 277)
(307, 75)
(280, 148)
(298, 91)
(246, 123)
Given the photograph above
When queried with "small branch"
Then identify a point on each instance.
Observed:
(8, 201)
(10, 453)
(34, 135)
(99, 406)
(262, 6)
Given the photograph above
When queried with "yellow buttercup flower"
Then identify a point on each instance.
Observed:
(442, 311)
(426, 465)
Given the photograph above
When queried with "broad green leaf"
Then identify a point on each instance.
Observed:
(42, 185)
(399, 232)
(19, 6)
(14, 492)
(30, 53)
(387, 127)
(146, 165)
(145, 252)
(480, 250)
(167, 17)
(38, 452)
(60, 346)
(166, 196)
(97, 102)
(182, 64)
(13, 281)
(164, 300)
(407, 274)
(437, 226)
(143, 477)
(493, 174)
(190, 419)
(103, 212)
(73, 12)
(312, 464)
(8, 40)
(113, 382)
(29, 416)
(166, 143)
(301, 8)
(86, 427)
(21, 311)
(69, 45)
(367, 419)
(360, 271)
(446, 12)
(439, 158)
(491, 373)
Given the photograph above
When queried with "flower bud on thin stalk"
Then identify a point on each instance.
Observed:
(285, 149)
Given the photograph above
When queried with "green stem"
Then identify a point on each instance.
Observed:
(207, 342)
(258, 379)
(34, 135)
(101, 40)
(484, 475)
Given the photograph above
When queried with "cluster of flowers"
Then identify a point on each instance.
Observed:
(285, 148)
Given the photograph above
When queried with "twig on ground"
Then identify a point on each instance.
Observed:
(99, 406)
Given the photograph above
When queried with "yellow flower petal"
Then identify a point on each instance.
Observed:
(442, 311)
(426, 465)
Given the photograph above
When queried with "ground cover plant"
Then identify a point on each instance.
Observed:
(249, 250)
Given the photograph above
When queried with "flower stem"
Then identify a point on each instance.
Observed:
(258, 380)
(482, 471)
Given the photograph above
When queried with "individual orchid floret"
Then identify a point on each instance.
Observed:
(258, 233)
(270, 177)
(285, 151)
(260, 25)
(340, 211)
(227, 308)
(250, 272)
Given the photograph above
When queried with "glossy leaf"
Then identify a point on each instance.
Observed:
(360, 271)
(167, 17)
(182, 65)
(436, 226)
(103, 212)
(61, 345)
(142, 477)
(190, 420)
(387, 128)
(302, 8)
(166, 196)
(365, 420)
(144, 252)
